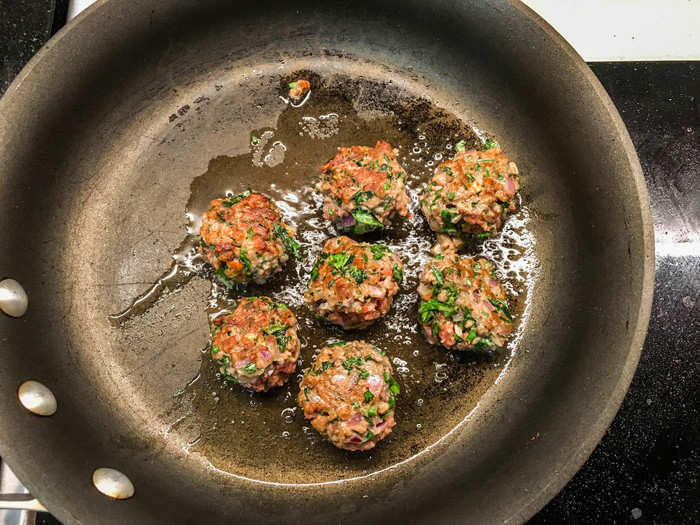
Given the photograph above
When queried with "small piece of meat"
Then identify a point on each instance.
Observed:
(299, 88)
(349, 395)
(463, 305)
(257, 345)
(353, 284)
(363, 188)
(471, 194)
(244, 238)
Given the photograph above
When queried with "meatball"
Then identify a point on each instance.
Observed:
(463, 305)
(257, 345)
(471, 193)
(363, 188)
(244, 238)
(299, 88)
(349, 395)
(352, 284)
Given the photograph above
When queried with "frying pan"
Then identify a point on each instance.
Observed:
(100, 142)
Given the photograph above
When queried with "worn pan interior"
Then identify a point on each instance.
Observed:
(138, 109)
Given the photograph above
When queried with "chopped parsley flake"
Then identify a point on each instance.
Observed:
(250, 368)
(357, 274)
(365, 221)
(238, 198)
(448, 216)
(439, 278)
(398, 273)
(350, 362)
(291, 246)
(490, 144)
(340, 260)
(245, 260)
(278, 330)
(378, 251)
(502, 307)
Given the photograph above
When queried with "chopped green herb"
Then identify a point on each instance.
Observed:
(340, 260)
(357, 274)
(292, 85)
(490, 144)
(250, 368)
(503, 307)
(355, 405)
(461, 146)
(324, 366)
(364, 374)
(378, 250)
(278, 330)
(362, 196)
(485, 235)
(245, 260)
(448, 217)
(314, 270)
(306, 392)
(369, 396)
(439, 278)
(372, 411)
(427, 308)
(365, 221)
(484, 342)
(394, 387)
(338, 343)
(228, 282)
(291, 246)
(398, 273)
(350, 362)
(233, 200)
(369, 435)
(471, 335)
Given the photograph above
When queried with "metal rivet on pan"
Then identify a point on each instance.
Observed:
(37, 398)
(112, 483)
(13, 298)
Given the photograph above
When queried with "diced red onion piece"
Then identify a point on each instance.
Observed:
(348, 220)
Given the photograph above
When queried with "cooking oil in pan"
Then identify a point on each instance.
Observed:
(237, 431)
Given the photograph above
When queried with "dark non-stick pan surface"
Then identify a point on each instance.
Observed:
(117, 134)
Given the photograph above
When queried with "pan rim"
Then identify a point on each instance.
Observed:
(14, 94)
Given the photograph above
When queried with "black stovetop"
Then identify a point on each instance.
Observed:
(646, 468)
